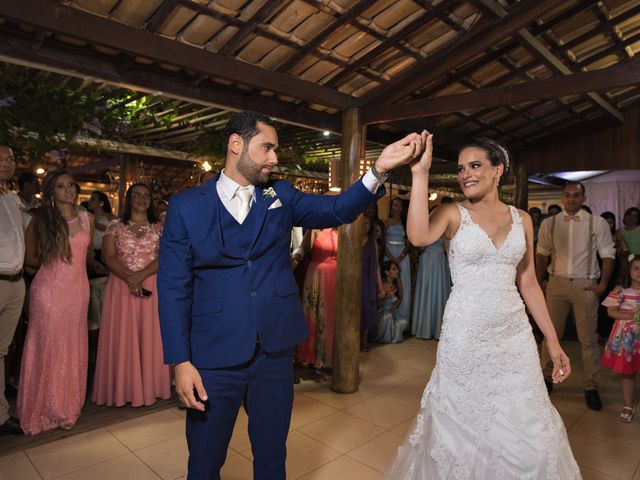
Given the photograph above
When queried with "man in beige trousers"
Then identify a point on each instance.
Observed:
(11, 282)
(568, 247)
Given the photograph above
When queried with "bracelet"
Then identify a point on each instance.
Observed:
(382, 177)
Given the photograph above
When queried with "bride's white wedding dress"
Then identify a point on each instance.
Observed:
(485, 413)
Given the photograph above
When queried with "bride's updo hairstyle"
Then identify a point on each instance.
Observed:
(496, 153)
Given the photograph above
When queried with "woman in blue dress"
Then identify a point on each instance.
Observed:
(397, 250)
(432, 291)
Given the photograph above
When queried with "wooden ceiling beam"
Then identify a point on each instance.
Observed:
(230, 48)
(392, 41)
(602, 27)
(160, 15)
(620, 75)
(89, 65)
(578, 8)
(347, 17)
(591, 59)
(534, 46)
(522, 15)
(54, 17)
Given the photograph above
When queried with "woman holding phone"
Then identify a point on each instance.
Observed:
(129, 365)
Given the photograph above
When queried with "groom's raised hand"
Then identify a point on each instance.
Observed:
(401, 152)
(189, 381)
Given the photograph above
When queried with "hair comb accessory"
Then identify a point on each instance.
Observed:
(506, 157)
(631, 258)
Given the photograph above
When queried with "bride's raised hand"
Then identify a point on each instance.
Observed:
(400, 153)
(422, 164)
(561, 364)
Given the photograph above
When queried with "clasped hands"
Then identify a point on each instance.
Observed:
(134, 282)
(415, 148)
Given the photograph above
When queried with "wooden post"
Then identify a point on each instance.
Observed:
(122, 182)
(521, 176)
(346, 350)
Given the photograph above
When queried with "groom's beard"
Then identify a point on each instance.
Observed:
(251, 170)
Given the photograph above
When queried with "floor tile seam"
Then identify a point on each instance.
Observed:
(406, 402)
(595, 437)
(384, 430)
(321, 442)
(146, 445)
(87, 466)
(362, 463)
(157, 474)
(182, 435)
(33, 464)
(315, 419)
(600, 471)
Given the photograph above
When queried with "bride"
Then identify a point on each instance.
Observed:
(485, 413)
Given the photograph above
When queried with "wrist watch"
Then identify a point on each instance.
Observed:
(382, 177)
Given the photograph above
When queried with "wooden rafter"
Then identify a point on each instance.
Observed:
(620, 75)
(51, 16)
(522, 15)
(161, 14)
(535, 47)
(60, 60)
(250, 25)
(310, 46)
(392, 41)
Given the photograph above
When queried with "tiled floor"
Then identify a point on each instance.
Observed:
(333, 436)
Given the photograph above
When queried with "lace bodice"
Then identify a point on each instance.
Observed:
(475, 261)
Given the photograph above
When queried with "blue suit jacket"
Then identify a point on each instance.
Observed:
(216, 299)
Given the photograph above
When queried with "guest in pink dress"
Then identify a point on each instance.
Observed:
(319, 299)
(129, 365)
(53, 379)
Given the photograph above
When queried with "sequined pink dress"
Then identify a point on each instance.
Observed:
(130, 366)
(54, 363)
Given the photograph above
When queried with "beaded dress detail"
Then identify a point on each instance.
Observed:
(485, 413)
(53, 378)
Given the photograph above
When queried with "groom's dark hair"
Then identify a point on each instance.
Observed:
(244, 124)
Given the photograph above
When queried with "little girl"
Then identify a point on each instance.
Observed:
(391, 324)
(622, 353)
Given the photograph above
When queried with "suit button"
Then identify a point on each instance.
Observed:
(249, 264)
(253, 294)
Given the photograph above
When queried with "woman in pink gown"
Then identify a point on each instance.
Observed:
(319, 299)
(54, 363)
(129, 365)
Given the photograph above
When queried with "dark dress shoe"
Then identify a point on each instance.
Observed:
(593, 400)
(11, 427)
(549, 385)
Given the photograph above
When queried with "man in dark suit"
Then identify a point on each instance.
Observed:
(229, 306)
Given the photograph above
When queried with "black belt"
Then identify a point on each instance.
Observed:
(12, 278)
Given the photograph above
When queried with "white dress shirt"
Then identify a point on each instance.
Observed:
(11, 234)
(570, 244)
(227, 189)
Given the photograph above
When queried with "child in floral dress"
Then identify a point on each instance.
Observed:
(622, 353)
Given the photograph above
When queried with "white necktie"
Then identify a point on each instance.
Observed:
(245, 203)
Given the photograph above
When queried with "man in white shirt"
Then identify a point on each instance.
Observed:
(568, 247)
(12, 288)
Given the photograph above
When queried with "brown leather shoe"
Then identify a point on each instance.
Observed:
(11, 427)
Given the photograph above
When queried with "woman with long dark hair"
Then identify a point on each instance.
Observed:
(54, 363)
(129, 365)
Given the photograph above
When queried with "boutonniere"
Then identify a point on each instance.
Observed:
(269, 193)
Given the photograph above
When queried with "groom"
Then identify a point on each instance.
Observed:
(230, 312)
